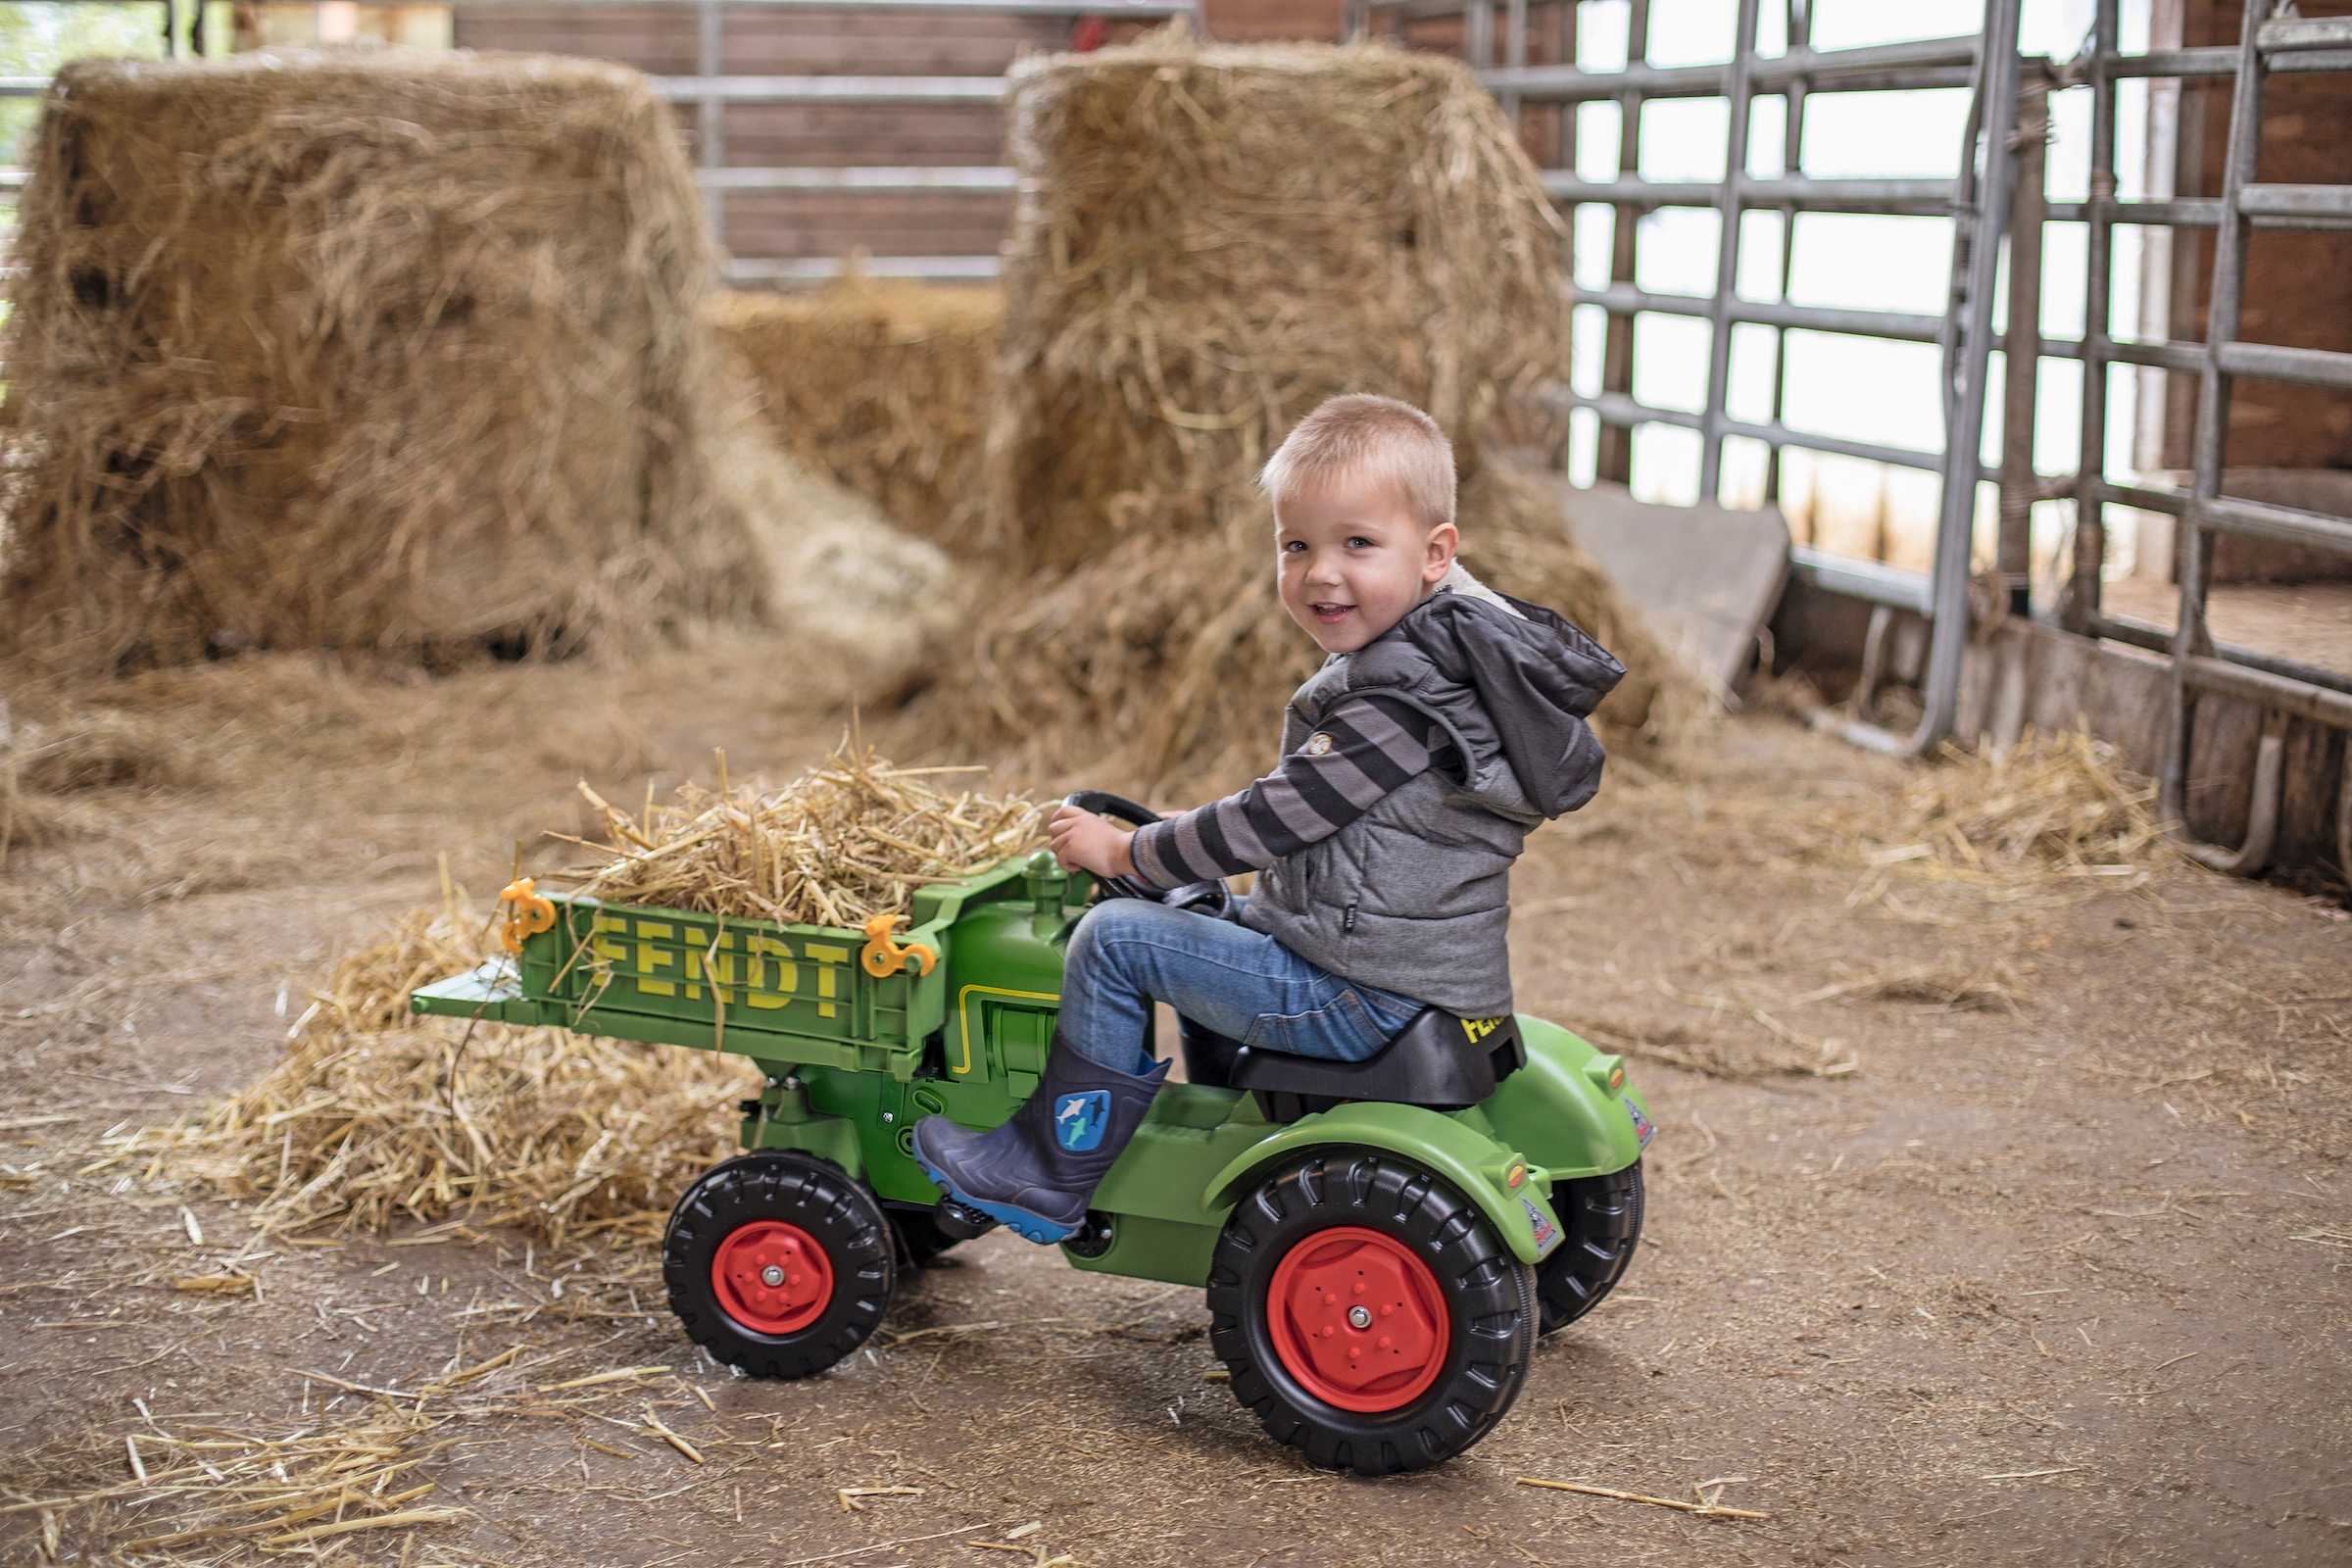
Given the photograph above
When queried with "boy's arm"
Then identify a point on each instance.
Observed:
(1368, 746)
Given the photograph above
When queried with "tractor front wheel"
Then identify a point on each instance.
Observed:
(778, 1264)
(1368, 1313)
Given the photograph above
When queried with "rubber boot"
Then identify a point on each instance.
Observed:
(1036, 1172)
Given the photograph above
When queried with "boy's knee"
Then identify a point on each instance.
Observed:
(1105, 924)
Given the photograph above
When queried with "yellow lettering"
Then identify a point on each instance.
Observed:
(825, 958)
(717, 967)
(788, 974)
(651, 958)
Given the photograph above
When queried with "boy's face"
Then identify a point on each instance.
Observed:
(1354, 559)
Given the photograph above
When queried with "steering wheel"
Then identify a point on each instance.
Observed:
(1210, 897)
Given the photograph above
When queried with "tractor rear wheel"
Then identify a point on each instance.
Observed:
(1600, 1218)
(1368, 1313)
(778, 1264)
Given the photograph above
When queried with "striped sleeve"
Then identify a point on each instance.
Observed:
(1368, 746)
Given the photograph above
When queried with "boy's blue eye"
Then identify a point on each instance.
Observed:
(1360, 542)
(1289, 545)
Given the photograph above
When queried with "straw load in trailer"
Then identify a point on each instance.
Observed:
(881, 384)
(390, 352)
(1211, 240)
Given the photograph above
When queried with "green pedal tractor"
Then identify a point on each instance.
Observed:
(1381, 1242)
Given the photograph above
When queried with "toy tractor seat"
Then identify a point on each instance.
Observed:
(1439, 1061)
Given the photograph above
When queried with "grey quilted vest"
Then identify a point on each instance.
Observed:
(1414, 896)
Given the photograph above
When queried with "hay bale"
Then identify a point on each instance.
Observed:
(1210, 242)
(883, 385)
(366, 351)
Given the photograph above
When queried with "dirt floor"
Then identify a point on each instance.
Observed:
(2058, 1270)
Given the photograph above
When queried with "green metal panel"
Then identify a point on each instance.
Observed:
(826, 1137)
(490, 992)
(1553, 1112)
(1146, 1249)
(1451, 1147)
(1191, 1133)
(722, 975)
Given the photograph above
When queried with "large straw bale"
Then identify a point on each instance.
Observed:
(882, 384)
(364, 350)
(1210, 240)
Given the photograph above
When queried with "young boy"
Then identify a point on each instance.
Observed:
(1447, 722)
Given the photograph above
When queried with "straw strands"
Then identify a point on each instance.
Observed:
(390, 351)
(882, 384)
(253, 1497)
(2062, 802)
(847, 840)
(171, 1484)
(373, 1114)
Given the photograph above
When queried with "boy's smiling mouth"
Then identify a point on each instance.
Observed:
(1330, 614)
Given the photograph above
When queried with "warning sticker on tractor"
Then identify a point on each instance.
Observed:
(1643, 1128)
(1547, 1234)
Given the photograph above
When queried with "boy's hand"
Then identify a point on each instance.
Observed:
(1085, 842)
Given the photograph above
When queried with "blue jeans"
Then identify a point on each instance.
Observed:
(1128, 954)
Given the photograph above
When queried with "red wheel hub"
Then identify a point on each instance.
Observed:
(772, 1278)
(1357, 1319)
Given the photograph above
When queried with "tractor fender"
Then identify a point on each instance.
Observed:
(1478, 1166)
(1560, 1110)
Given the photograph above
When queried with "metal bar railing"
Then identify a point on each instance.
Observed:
(1931, 198)
(1619, 409)
(862, 177)
(830, 90)
(1930, 63)
(1976, 201)
(2219, 62)
(2199, 667)
(824, 269)
(1626, 300)
(1738, 93)
(2159, 640)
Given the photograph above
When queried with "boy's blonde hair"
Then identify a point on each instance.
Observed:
(1360, 432)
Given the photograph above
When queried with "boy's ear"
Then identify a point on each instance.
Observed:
(1444, 540)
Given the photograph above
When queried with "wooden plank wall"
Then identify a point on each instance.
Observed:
(766, 40)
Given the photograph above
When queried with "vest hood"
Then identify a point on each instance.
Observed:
(1537, 676)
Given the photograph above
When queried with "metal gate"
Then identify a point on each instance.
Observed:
(1996, 194)
(2273, 39)
(1976, 203)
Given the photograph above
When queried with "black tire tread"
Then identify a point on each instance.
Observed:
(819, 1198)
(1491, 1293)
(1600, 1221)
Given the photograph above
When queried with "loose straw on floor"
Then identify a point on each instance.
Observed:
(1702, 1507)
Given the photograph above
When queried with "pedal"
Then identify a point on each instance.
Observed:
(962, 1220)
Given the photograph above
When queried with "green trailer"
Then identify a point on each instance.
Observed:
(1381, 1242)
